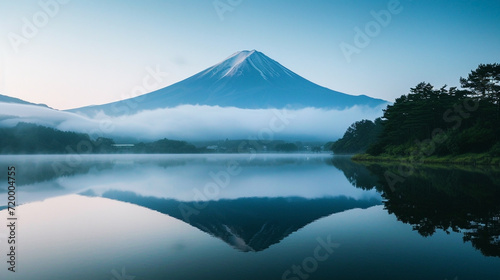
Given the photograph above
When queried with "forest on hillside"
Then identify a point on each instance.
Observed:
(28, 138)
(438, 121)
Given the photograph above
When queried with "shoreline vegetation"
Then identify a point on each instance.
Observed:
(433, 126)
(27, 138)
(465, 159)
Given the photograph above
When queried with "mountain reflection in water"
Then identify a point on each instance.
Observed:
(247, 224)
(141, 212)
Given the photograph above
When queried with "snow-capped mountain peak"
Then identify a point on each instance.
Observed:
(247, 79)
(240, 62)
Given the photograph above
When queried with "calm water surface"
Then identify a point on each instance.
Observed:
(248, 217)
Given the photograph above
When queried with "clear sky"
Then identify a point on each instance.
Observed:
(72, 53)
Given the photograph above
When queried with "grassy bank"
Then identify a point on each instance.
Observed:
(465, 159)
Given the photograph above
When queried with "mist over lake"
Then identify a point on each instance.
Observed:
(265, 213)
(231, 139)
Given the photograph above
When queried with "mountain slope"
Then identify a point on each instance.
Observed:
(247, 224)
(12, 113)
(247, 79)
(8, 99)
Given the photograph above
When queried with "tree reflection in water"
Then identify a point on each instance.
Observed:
(459, 199)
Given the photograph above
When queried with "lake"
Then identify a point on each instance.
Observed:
(245, 216)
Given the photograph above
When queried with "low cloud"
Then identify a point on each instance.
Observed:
(195, 122)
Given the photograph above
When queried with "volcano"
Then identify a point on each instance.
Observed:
(246, 79)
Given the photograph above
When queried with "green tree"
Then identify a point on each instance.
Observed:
(484, 85)
(484, 82)
(104, 145)
(415, 117)
(358, 137)
(286, 147)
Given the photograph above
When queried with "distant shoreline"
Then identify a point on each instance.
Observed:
(465, 159)
(159, 154)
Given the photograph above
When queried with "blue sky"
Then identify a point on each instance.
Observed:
(92, 52)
